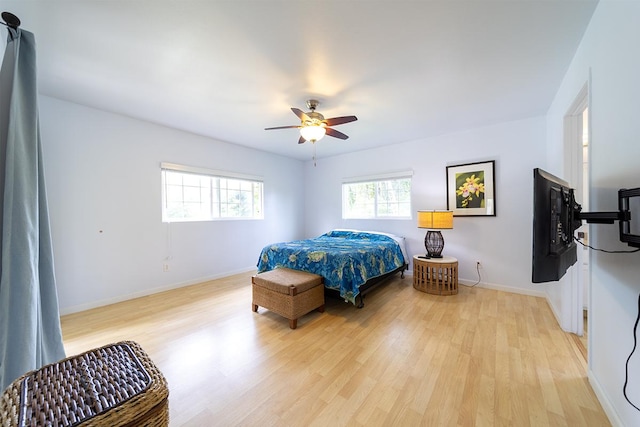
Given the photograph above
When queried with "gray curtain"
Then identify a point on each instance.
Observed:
(30, 333)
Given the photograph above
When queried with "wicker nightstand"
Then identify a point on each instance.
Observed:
(437, 276)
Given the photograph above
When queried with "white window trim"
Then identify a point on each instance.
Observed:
(373, 178)
(204, 171)
(378, 177)
(174, 167)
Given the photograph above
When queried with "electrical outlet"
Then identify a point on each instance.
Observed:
(165, 267)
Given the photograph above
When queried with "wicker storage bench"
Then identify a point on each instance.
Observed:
(290, 293)
(115, 385)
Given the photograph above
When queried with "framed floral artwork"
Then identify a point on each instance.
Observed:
(471, 189)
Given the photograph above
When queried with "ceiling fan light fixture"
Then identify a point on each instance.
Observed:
(313, 133)
(313, 126)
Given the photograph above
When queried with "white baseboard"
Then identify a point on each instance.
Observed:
(100, 303)
(604, 401)
(151, 291)
(497, 287)
(504, 288)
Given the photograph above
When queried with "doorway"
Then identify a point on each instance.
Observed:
(577, 141)
(583, 231)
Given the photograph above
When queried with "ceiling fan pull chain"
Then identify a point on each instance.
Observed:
(314, 155)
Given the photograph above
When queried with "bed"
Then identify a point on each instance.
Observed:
(351, 262)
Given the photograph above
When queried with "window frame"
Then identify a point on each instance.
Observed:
(377, 180)
(214, 189)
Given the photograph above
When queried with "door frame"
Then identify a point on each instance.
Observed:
(573, 171)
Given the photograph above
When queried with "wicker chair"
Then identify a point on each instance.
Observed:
(290, 293)
(115, 385)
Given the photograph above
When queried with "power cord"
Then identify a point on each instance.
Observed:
(635, 327)
(626, 370)
(604, 250)
(479, 278)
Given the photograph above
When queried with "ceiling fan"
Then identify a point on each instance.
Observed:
(314, 126)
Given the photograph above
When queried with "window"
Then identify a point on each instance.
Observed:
(195, 194)
(387, 196)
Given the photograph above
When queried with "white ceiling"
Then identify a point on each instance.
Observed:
(228, 69)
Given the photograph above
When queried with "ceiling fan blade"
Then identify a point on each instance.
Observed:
(284, 127)
(340, 120)
(301, 114)
(302, 140)
(336, 134)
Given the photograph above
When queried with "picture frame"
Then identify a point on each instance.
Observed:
(478, 177)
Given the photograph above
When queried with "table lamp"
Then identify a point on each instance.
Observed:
(435, 221)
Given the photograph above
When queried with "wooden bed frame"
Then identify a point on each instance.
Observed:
(369, 285)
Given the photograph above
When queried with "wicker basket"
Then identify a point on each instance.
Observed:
(115, 385)
(290, 293)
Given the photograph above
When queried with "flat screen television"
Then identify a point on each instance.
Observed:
(554, 222)
(557, 215)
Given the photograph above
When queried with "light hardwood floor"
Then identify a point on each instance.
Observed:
(481, 357)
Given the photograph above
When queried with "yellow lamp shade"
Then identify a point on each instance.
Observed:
(435, 220)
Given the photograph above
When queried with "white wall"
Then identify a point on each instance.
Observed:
(102, 174)
(103, 182)
(609, 51)
(502, 243)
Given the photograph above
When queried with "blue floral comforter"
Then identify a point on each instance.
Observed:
(346, 259)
